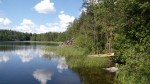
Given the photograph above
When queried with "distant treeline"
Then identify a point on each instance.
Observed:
(50, 36)
(10, 35)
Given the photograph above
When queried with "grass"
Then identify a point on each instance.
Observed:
(89, 69)
(68, 51)
(79, 57)
(124, 77)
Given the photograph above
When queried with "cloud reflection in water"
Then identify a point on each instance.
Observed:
(42, 75)
(27, 55)
(4, 59)
(62, 65)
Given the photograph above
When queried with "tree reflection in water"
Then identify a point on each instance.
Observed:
(90, 70)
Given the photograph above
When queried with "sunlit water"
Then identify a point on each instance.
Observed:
(29, 64)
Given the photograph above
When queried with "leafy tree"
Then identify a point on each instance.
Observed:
(133, 40)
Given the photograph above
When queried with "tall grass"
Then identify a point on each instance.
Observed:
(124, 77)
(89, 69)
(78, 54)
(68, 51)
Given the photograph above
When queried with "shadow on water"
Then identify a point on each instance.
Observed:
(93, 75)
(8, 48)
(28, 43)
(16, 45)
(90, 73)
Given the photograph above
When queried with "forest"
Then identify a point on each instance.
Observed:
(9, 35)
(119, 26)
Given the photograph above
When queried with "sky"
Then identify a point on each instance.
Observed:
(38, 16)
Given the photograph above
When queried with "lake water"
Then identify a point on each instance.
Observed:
(27, 63)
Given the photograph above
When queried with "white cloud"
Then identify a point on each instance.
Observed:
(42, 29)
(54, 27)
(42, 75)
(27, 22)
(24, 28)
(45, 6)
(26, 25)
(29, 26)
(26, 59)
(5, 21)
(61, 25)
(1, 20)
(65, 20)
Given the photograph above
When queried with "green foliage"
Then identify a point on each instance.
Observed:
(83, 41)
(90, 70)
(133, 40)
(121, 26)
(50, 36)
(94, 28)
(8, 35)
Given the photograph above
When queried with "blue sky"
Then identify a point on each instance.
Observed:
(38, 16)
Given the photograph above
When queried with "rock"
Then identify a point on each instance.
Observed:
(67, 43)
(111, 69)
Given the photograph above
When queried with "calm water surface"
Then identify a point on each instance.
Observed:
(26, 63)
(29, 64)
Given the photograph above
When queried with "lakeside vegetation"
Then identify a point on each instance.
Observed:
(119, 26)
(89, 69)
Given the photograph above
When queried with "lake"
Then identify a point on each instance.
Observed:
(29, 63)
